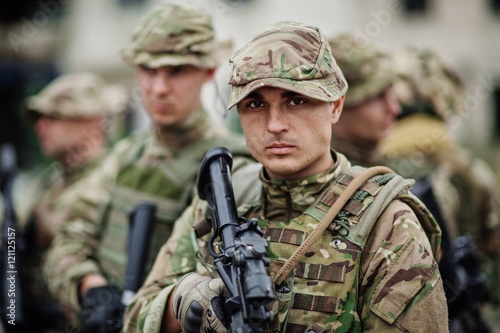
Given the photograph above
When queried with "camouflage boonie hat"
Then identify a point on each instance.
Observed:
(78, 95)
(428, 85)
(173, 35)
(288, 55)
(367, 69)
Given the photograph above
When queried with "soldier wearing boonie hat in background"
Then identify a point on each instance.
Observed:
(373, 267)
(174, 52)
(68, 117)
(371, 107)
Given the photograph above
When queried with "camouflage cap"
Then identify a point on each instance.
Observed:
(288, 55)
(172, 35)
(78, 95)
(367, 69)
(428, 85)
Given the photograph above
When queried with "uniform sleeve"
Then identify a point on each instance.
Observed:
(72, 253)
(175, 259)
(400, 286)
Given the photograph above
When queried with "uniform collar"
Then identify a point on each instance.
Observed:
(298, 195)
(168, 142)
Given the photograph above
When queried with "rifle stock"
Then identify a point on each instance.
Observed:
(12, 302)
(241, 264)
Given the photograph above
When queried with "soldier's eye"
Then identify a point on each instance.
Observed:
(178, 70)
(297, 101)
(147, 70)
(255, 104)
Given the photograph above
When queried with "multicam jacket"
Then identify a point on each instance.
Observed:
(159, 167)
(391, 284)
(42, 199)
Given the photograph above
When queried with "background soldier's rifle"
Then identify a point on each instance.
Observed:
(243, 255)
(12, 302)
(142, 220)
(141, 224)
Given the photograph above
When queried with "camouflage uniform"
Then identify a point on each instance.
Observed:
(368, 71)
(423, 147)
(390, 283)
(157, 166)
(42, 196)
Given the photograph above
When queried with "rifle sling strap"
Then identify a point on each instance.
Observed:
(327, 219)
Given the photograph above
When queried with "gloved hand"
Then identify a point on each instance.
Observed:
(198, 304)
(102, 310)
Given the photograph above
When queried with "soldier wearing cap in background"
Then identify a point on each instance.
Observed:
(175, 53)
(373, 269)
(68, 116)
(464, 186)
(371, 107)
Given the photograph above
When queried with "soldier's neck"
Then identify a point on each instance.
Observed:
(195, 128)
(290, 198)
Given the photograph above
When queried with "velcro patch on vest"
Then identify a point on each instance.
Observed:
(316, 303)
(345, 178)
(287, 236)
(333, 273)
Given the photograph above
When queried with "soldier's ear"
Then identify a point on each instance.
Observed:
(210, 73)
(337, 107)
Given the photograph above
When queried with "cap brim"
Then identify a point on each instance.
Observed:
(326, 89)
(152, 60)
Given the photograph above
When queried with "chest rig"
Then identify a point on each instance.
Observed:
(320, 293)
(169, 185)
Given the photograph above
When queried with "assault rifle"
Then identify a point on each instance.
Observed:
(141, 223)
(11, 300)
(243, 255)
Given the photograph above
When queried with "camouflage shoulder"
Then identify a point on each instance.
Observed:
(245, 177)
(398, 255)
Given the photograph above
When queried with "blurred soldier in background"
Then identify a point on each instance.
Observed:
(175, 53)
(464, 187)
(371, 107)
(68, 116)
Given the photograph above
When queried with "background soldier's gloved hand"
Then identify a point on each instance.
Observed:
(102, 309)
(198, 304)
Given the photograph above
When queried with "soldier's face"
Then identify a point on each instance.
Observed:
(63, 138)
(370, 122)
(287, 132)
(172, 93)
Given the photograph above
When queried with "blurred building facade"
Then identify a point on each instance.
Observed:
(50, 37)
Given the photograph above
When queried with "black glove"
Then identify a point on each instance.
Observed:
(102, 310)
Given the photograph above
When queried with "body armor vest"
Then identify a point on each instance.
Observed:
(169, 186)
(320, 294)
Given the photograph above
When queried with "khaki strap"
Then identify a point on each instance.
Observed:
(328, 218)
